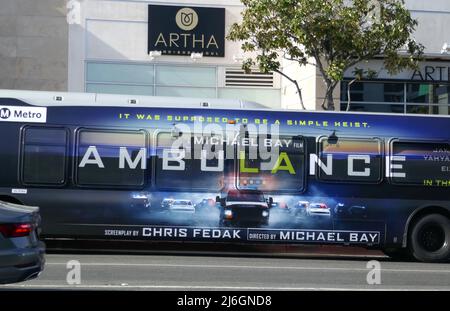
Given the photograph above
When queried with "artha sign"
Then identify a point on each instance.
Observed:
(432, 73)
(176, 30)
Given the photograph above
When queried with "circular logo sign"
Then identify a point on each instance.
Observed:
(186, 19)
(5, 113)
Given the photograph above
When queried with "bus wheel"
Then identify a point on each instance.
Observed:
(429, 239)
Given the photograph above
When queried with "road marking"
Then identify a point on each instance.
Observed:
(210, 287)
(245, 267)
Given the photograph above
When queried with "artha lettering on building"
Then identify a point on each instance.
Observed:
(186, 41)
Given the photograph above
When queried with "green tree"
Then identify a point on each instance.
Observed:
(337, 34)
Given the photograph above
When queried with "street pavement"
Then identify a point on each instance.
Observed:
(229, 272)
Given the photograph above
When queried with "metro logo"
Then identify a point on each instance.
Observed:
(23, 114)
(5, 113)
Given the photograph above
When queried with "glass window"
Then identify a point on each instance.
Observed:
(186, 76)
(356, 91)
(126, 73)
(279, 168)
(394, 92)
(119, 89)
(111, 158)
(428, 93)
(189, 162)
(350, 159)
(420, 163)
(442, 94)
(373, 91)
(44, 155)
(185, 91)
(236, 196)
(428, 109)
(419, 93)
(383, 108)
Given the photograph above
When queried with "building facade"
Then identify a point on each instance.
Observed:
(139, 47)
(179, 48)
(33, 45)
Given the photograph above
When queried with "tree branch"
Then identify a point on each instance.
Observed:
(296, 85)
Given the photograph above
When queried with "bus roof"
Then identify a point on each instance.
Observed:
(40, 98)
(55, 99)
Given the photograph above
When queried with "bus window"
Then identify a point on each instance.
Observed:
(192, 164)
(350, 160)
(271, 164)
(420, 163)
(111, 158)
(44, 155)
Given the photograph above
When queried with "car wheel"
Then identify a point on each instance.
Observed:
(429, 239)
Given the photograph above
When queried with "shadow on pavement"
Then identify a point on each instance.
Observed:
(212, 249)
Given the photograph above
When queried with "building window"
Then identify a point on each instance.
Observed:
(114, 78)
(185, 76)
(397, 97)
(111, 158)
(373, 92)
(144, 79)
(44, 155)
(178, 81)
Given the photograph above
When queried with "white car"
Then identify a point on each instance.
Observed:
(318, 209)
(182, 206)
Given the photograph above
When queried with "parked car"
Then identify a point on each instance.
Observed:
(318, 209)
(244, 206)
(21, 252)
(182, 206)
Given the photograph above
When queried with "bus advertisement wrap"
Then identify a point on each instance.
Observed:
(218, 175)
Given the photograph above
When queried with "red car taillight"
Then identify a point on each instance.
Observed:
(15, 230)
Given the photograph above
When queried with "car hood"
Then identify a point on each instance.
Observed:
(182, 206)
(262, 204)
(14, 213)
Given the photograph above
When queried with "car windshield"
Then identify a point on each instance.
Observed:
(245, 196)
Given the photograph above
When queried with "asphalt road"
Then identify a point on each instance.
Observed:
(197, 272)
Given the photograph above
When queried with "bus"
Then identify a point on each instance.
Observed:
(116, 167)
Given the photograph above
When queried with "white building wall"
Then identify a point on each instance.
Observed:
(116, 31)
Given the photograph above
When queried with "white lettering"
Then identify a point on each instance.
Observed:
(326, 168)
(97, 160)
(174, 155)
(350, 169)
(124, 156)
